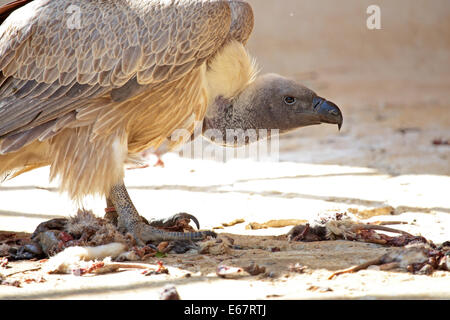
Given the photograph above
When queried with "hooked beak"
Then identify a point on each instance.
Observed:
(327, 111)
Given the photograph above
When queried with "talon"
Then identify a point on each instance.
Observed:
(184, 215)
(171, 221)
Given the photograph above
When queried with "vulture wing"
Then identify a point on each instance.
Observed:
(55, 57)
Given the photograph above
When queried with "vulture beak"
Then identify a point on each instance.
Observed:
(327, 111)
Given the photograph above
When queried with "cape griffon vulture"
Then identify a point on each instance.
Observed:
(87, 84)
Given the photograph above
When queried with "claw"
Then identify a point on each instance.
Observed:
(184, 215)
(171, 221)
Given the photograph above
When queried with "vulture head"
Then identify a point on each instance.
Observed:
(270, 102)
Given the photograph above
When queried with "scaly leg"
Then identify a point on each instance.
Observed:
(129, 219)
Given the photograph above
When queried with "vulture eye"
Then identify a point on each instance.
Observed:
(289, 100)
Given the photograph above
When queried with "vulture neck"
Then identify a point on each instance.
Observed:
(230, 71)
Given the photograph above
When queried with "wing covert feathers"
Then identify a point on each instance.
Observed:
(111, 42)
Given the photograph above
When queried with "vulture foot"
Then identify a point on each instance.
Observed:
(170, 222)
(129, 220)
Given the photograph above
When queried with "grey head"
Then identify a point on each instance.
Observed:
(271, 102)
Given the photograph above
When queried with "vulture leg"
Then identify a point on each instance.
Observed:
(129, 219)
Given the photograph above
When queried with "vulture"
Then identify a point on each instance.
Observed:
(86, 85)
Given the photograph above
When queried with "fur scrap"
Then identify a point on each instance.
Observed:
(71, 258)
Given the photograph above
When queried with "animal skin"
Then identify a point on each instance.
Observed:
(86, 86)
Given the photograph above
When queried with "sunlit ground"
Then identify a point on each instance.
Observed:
(254, 191)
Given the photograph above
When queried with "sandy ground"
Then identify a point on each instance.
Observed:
(393, 87)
